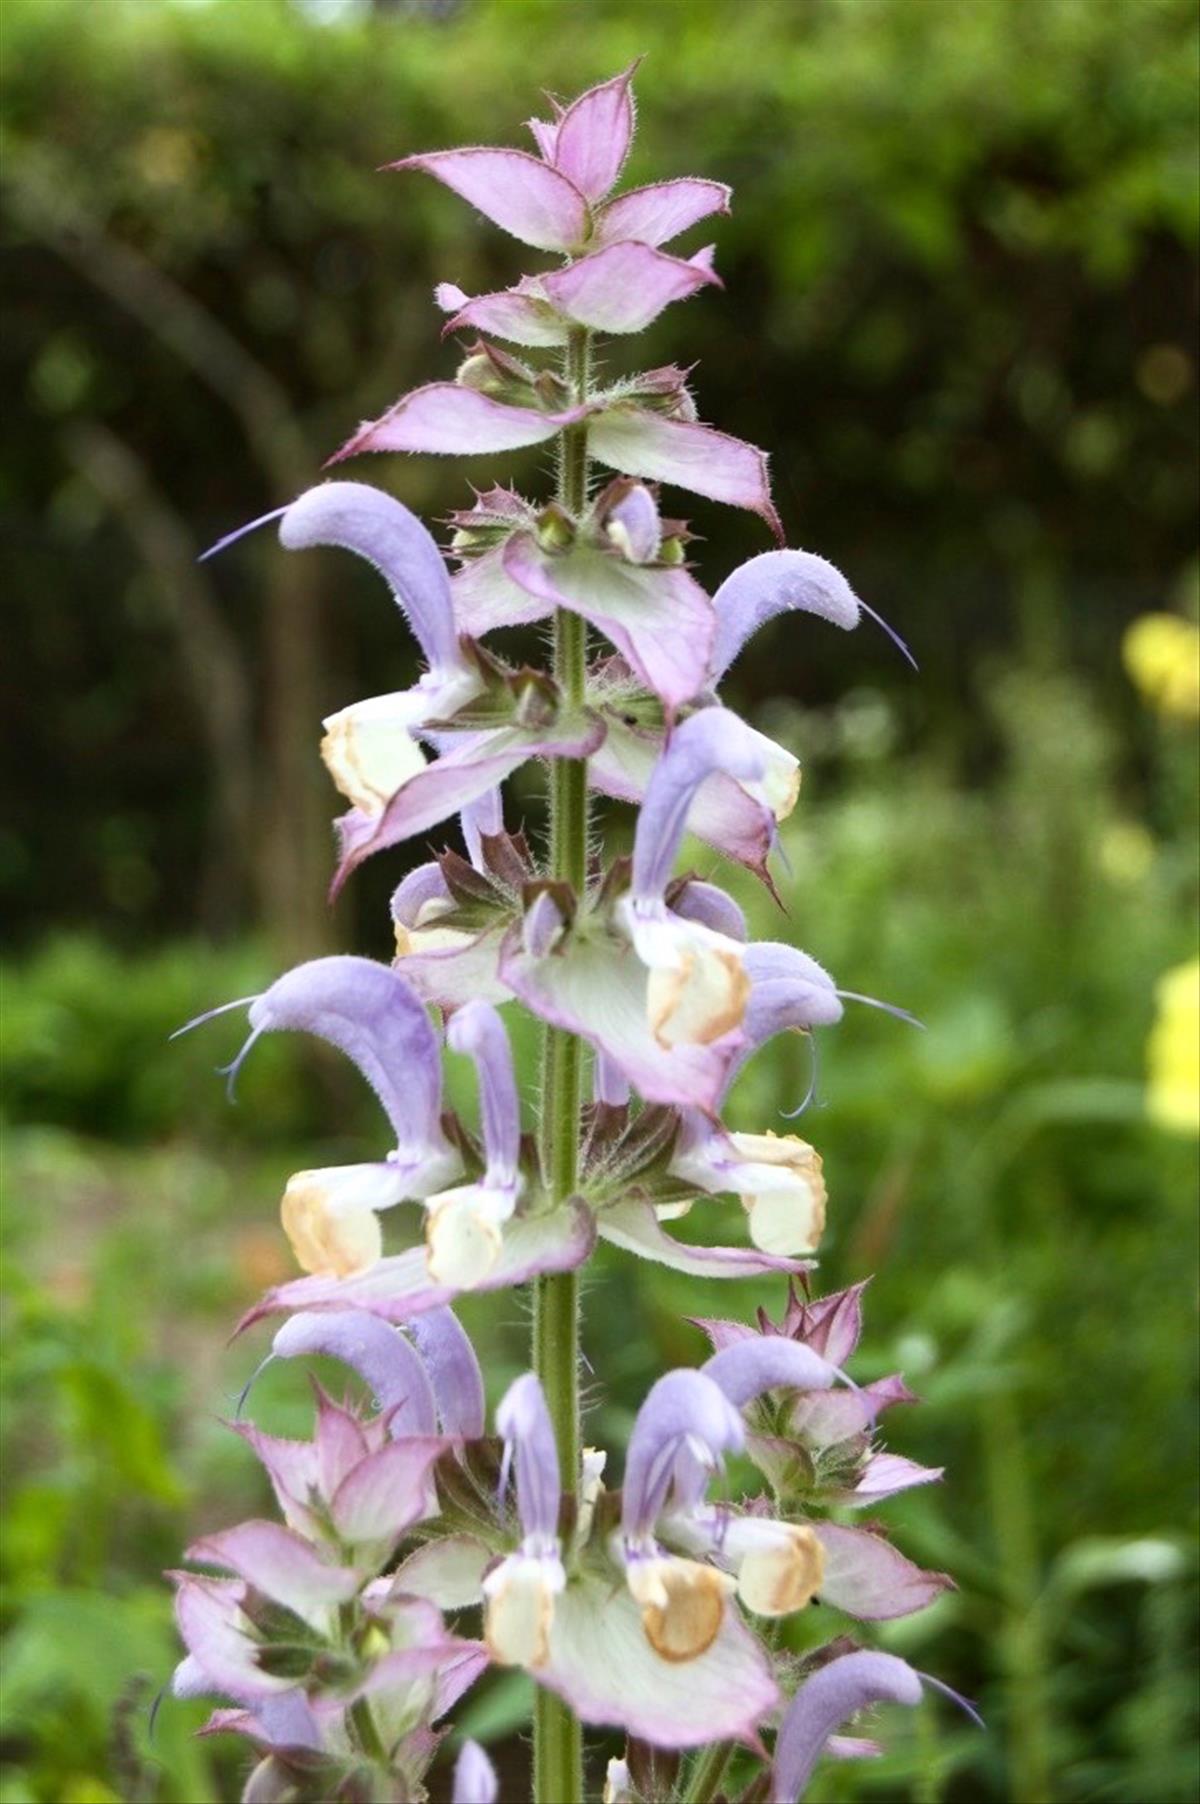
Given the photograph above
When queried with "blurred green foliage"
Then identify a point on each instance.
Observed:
(960, 279)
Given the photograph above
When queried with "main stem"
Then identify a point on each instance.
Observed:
(557, 1735)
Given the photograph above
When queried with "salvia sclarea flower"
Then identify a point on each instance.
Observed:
(416, 1548)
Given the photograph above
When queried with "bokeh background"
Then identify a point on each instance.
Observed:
(961, 280)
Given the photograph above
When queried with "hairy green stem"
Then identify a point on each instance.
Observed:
(707, 1774)
(557, 1735)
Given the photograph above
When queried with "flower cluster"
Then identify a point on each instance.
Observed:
(339, 1638)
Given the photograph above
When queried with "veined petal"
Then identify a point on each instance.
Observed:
(869, 1578)
(591, 138)
(218, 1637)
(368, 1012)
(659, 619)
(602, 1663)
(777, 582)
(387, 1492)
(661, 211)
(887, 1473)
(477, 762)
(280, 1564)
(520, 316)
(477, 1030)
(394, 1372)
(380, 529)
(448, 1571)
(445, 419)
(400, 1287)
(825, 1701)
(596, 989)
(516, 191)
(635, 1227)
(691, 456)
(475, 1780)
(624, 286)
(685, 1412)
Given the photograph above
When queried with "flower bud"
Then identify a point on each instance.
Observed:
(555, 529)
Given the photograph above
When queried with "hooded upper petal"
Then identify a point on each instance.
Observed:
(368, 1012)
(377, 527)
(833, 1694)
(394, 1371)
(775, 583)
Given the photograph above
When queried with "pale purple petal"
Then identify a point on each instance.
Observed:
(609, 1083)
(693, 457)
(542, 925)
(444, 419)
(624, 286)
(706, 903)
(475, 1779)
(477, 762)
(660, 620)
(482, 816)
(777, 582)
(825, 1701)
(414, 892)
(712, 740)
(518, 315)
(661, 211)
(381, 1356)
(868, 1578)
(831, 1325)
(826, 1419)
(477, 1030)
(634, 525)
(280, 1564)
(516, 191)
(598, 990)
(523, 1421)
(685, 1412)
(790, 989)
(387, 1492)
(602, 1663)
(885, 1474)
(766, 1363)
(215, 1633)
(399, 1288)
(593, 135)
(725, 815)
(377, 527)
(454, 1373)
(368, 1012)
(635, 1227)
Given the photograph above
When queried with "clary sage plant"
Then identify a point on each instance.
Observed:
(419, 1543)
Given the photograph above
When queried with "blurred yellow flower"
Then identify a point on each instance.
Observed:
(1173, 1051)
(1162, 655)
(1126, 852)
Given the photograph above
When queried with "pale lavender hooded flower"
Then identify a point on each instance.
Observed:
(372, 748)
(832, 1695)
(331, 1215)
(670, 1016)
(739, 819)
